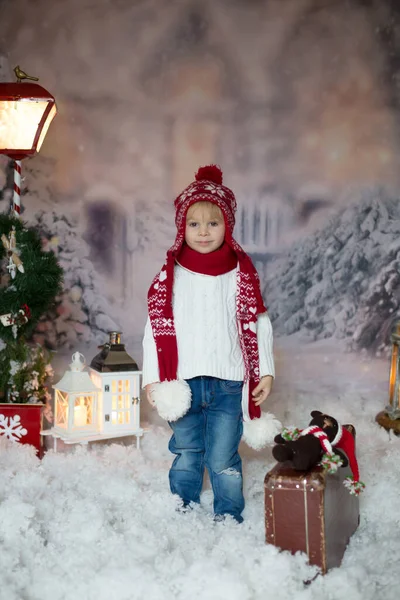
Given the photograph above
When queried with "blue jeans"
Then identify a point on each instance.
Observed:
(208, 435)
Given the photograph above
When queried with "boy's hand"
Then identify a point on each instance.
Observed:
(149, 389)
(262, 390)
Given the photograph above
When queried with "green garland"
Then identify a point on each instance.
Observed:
(30, 293)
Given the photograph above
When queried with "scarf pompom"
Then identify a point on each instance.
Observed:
(261, 432)
(290, 434)
(331, 462)
(172, 399)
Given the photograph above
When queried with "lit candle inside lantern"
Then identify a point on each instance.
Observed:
(80, 414)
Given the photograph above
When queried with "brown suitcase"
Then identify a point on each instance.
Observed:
(310, 511)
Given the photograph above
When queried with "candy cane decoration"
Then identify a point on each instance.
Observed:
(17, 188)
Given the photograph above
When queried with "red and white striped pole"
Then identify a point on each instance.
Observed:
(16, 210)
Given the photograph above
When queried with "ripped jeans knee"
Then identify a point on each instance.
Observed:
(230, 471)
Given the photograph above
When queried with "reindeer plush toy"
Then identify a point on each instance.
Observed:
(324, 442)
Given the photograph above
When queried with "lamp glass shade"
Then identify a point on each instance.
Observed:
(19, 123)
(74, 410)
(394, 378)
(46, 125)
(26, 111)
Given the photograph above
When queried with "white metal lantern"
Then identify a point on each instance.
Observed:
(118, 377)
(75, 403)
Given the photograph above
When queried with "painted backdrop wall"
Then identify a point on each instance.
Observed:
(297, 100)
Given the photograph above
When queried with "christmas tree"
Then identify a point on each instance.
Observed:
(30, 281)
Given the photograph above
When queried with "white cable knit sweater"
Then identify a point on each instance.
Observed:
(207, 337)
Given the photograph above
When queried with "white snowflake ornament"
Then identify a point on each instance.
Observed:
(11, 428)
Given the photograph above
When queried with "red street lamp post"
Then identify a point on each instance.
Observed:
(26, 111)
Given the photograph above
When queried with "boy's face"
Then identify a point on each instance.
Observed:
(205, 229)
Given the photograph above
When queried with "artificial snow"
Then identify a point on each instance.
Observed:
(101, 524)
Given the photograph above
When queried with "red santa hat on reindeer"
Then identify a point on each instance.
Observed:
(344, 440)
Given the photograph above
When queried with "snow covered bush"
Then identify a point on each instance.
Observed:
(81, 314)
(343, 281)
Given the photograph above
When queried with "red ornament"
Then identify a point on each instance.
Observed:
(210, 173)
(22, 423)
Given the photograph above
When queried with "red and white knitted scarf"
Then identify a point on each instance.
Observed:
(249, 304)
(214, 263)
(321, 437)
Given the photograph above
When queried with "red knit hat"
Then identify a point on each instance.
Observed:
(208, 187)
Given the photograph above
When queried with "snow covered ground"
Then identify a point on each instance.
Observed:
(101, 524)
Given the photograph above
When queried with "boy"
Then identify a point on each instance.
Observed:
(207, 351)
